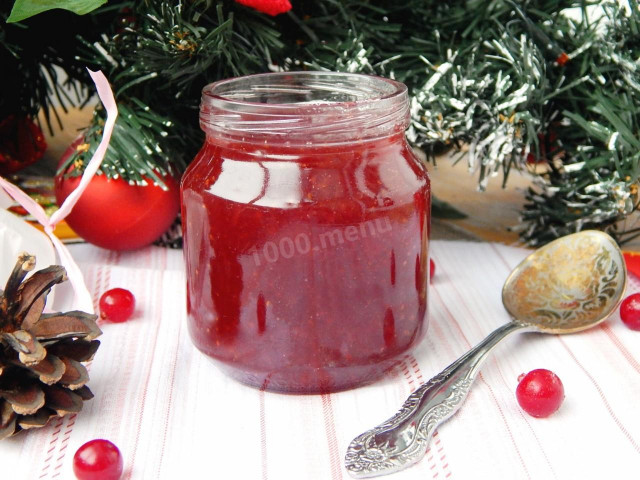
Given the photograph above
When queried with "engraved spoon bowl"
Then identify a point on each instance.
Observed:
(567, 286)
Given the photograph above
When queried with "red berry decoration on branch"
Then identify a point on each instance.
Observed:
(270, 7)
(98, 460)
(540, 392)
(117, 305)
(630, 311)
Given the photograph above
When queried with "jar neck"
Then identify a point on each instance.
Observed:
(280, 149)
(304, 109)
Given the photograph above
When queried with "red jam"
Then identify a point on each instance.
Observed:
(307, 263)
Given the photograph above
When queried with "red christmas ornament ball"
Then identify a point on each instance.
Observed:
(98, 460)
(115, 215)
(630, 311)
(540, 392)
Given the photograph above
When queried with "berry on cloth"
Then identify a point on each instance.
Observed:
(117, 305)
(540, 392)
(630, 311)
(98, 460)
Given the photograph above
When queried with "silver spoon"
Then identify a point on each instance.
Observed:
(569, 285)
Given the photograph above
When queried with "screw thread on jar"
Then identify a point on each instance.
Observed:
(304, 108)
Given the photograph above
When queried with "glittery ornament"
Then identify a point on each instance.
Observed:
(21, 144)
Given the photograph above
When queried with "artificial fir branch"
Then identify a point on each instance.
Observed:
(595, 183)
(136, 133)
(158, 57)
(33, 54)
(509, 82)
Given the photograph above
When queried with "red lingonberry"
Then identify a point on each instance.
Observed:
(630, 311)
(98, 460)
(117, 305)
(432, 270)
(540, 392)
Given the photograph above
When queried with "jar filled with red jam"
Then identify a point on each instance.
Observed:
(306, 230)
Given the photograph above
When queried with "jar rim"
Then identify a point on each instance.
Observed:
(316, 107)
(217, 90)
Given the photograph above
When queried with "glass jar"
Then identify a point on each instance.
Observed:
(306, 222)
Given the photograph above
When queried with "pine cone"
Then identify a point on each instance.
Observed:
(41, 376)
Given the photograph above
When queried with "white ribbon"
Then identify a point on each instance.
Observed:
(82, 296)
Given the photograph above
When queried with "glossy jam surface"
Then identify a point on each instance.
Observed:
(307, 267)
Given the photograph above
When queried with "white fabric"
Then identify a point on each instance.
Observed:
(174, 415)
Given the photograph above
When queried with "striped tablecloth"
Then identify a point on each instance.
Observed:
(174, 415)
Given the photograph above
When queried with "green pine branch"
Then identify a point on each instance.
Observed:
(507, 81)
(136, 132)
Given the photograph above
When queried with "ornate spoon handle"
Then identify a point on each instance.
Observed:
(402, 440)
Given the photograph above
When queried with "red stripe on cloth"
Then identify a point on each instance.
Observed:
(330, 428)
(97, 288)
(394, 373)
(174, 364)
(497, 366)
(499, 370)
(504, 419)
(618, 344)
(607, 330)
(407, 374)
(416, 369)
(501, 257)
(165, 258)
(617, 421)
(54, 439)
(71, 420)
(157, 288)
(64, 447)
(443, 341)
(526, 421)
(443, 458)
(410, 360)
(102, 281)
(263, 435)
(481, 378)
(114, 257)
